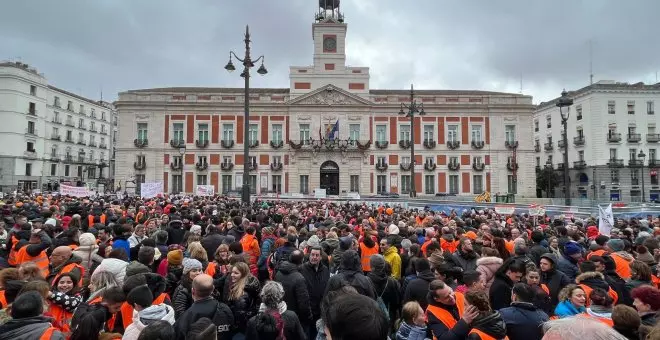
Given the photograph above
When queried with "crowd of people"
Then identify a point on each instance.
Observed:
(185, 267)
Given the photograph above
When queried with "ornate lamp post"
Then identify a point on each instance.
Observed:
(641, 155)
(248, 63)
(413, 108)
(564, 103)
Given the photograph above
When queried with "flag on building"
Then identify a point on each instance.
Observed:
(332, 131)
(605, 220)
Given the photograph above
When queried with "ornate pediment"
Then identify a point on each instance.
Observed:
(329, 95)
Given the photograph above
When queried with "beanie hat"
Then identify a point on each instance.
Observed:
(550, 257)
(190, 264)
(140, 295)
(175, 257)
(377, 263)
(592, 231)
(601, 240)
(615, 244)
(393, 230)
(572, 248)
(345, 242)
(87, 239)
(196, 229)
(314, 241)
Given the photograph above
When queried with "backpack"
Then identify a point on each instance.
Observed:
(381, 303)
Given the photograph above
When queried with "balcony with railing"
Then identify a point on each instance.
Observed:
(176, 166)
(31, 112)
(615, 163)
(227, 143)
(579, 165)
(652, 137)
(56, 121)
(92, 143)
(511, 165)
(202, 144)
(478, 166)
(478, 144)
(30, 154)
(276, 166)
(253, 144)
(429, 143)
(252, 166)
(453, 144)
(201, 166)
(634, 137)
(276, 144)
(635, 162)
(578, 140)
(68, 158)
(381, 166)
(537, 147)
(548, 146)
(613, 137)
(560, 166)
(178, 143)
(404, 144)
(103, 146)
(81, 142)
(405, 166)
(226, 166)
(141, 142)
(654, 162)
(56, 137)
(511, 144)
(54, 157)
(454, 165)
(560, 143)
(70, 123)
(82, 127)
(104, 131)
(381, 144)
(139, 165)
(430, 166)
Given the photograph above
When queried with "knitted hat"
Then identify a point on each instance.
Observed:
(393, 230)
(471, 235)
(175, 257)
(615, 244)
(196, 229)
(313, 241)
(87, 239)
(140, 295)
(377, 263)
(190, 264)
(572, 248)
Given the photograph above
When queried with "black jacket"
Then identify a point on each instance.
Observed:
(619, 285)
(554, 279)
(237, 232)
(246, 306)
(210, 308)
(500, 291)
(28, 329)
(440, 331)
(296, 295)
(418, 289)
(211, 242)
(389, 290)
(292, 328)
(182, 297)
(175, 232)
(536, 252)
(350, 271)
(466, 261)
(523, 321)
(491, 324)
(317, 281)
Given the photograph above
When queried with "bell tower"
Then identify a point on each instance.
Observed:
(329, 34)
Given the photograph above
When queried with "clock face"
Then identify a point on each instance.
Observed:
(329, 44)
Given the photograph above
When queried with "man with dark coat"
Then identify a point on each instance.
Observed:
(296, 295)
(387, 287)
(212, 240)
(316, 276)
(537, 249)
(523, 319)
(175, 231)
(551, 277)
(205, 306)
(464, 257)
(350, 271)
(418, 288)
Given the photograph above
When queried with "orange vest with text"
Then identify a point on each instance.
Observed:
(40, 260)
(366, 253)
(484, 336)
(622, 266)
(444, 316)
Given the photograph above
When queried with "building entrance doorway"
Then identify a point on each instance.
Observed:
(330, 177)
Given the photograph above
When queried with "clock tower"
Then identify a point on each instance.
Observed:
(329, 67)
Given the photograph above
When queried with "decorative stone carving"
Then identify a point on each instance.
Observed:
(304, 117)
(329, 97)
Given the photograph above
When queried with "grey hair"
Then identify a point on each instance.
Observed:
(579, 327)
(272, 294)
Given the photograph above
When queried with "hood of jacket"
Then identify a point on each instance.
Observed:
(332, 243)
(593, 280)
(492, 324)
(350, 262)
(24, 329)
(287, 268)
(407, 331)
(154, 313)
(135, 267)
(156, 283)
(390, 251)
(426, 275)
(625, 256)
(490, 261)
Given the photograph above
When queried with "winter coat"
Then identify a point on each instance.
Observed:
(211, 242)
(251, 251)
(293, 330)
(554, 279)
(536, 252)
(316, 280)
(487, 266)
(182, 297)
(145, 317)
(500, 292)
(237, 232)
(568, 266)
(90, 259)
(266, 248)
(411, 332)
(524, 321)
(173, 278)
(115, 266)
(244, 307)
(440, 331)
(390, 292)
(27, 329)
(632, 284)
(392, 257)
(296, 295)
(650, 319)
(619, 285)
(134, 240)
(491, 324)
(175, 232)
(418, 289)
(463, 260)
(566, 308)
(350, 271)
(121, 242)
(210, 308)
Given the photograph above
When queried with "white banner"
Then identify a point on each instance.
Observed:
(74, 191)
(505, 209)
(149, 190)
(319, 193)
(205, 190)
(605, 220)
(536, 210)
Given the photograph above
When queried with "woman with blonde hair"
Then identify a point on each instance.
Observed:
(241, 292)
(99, 282)
(197, 252)
(572, 300)
(413, 322)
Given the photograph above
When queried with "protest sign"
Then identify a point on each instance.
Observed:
(149, 190)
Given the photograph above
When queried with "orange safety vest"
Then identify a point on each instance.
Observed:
(40, 260)
(587, 291)
(210, 269)
(110, 324)
(13, 252)
(448, 246)
(655, 280)
(424, 245)
(62, 317)
(90, 220)
(545, 288)
(606, 321)
(67, 269)
(127, 310)
(444, 316)
(484, 336)
(48, 334)
(599, 252)
(509, 246)
(366, 253)
(3, 299)
(622, 266)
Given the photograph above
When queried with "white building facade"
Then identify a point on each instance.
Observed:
(51, 136)
(609, 125)
(328, 129)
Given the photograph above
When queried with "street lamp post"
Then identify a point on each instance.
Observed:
(248, 63)
(642, 156)
(413, 108)
(564, 103)
(182, 152)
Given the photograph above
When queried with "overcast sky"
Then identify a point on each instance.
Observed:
(116, 45)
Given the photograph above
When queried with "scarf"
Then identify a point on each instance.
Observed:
(281, 307)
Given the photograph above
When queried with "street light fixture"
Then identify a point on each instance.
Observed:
(642, 156)
(248, 63)
(413, 108)
(564, 103)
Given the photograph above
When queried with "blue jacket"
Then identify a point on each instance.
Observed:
(523, 321)
(410, 332)
(569, 267)
(122, 242)
(266, 247)
(565, 309)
